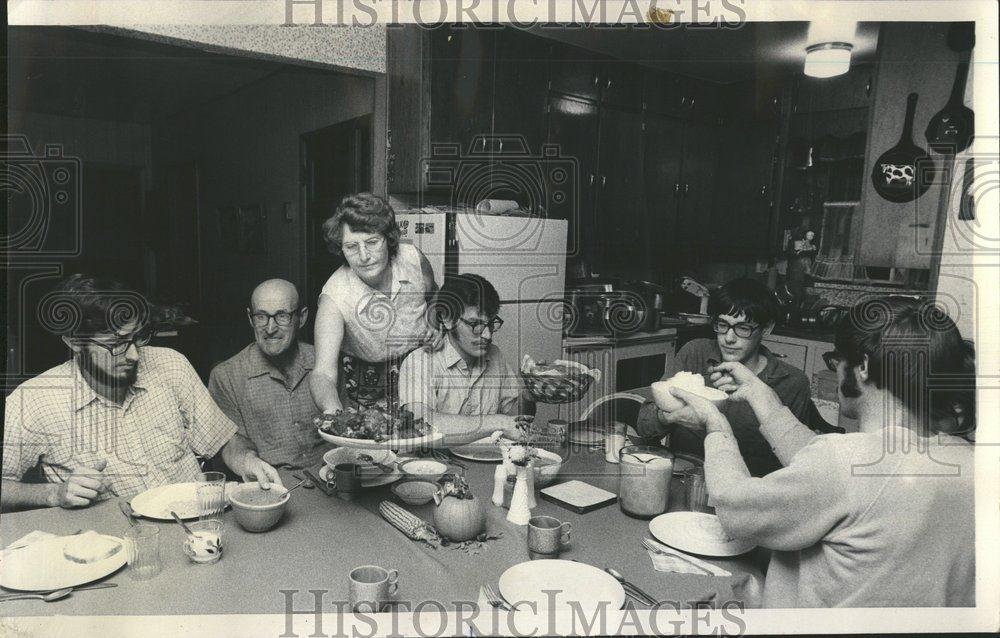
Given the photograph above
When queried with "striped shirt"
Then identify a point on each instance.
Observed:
(151, 439)
(378, 327)
(273, 411)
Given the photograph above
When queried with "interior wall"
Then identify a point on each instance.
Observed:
(246, 147)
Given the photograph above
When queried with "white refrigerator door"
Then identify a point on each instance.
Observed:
(523, 257)
(428, 233)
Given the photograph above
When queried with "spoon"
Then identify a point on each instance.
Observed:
(301, 483)
(49, 597)
(306, 483)
(181, 523)
(621, 579)
(126, 509)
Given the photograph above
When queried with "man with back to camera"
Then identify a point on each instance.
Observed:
(264, 389)
(119, 417)
(882, 517)
(743, 313)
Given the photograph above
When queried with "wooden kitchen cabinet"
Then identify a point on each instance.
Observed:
(699, 186)
(662, 157)
(621, 84)
(462, 89)
(623, 238)
(848, 91)
(520, 82)
(575, 71)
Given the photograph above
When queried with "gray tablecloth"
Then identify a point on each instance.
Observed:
(322, 538)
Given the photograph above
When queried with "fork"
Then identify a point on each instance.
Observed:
(494, 598)
(656, 550)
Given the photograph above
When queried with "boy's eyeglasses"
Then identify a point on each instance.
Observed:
(743, 330)
(479, 326)
(119, 347)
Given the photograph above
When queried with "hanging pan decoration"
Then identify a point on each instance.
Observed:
(952, 128)
(904, 172)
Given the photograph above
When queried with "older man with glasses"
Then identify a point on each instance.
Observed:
(744, 312)
(119, 417)
(264, 389)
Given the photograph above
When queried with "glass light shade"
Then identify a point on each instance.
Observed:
(828, 59)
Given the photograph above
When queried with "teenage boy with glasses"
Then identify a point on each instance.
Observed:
(264, 389)
(467, 389)
(119, 417)
(744, 312)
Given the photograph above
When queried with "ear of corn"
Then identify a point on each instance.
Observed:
(413, 526)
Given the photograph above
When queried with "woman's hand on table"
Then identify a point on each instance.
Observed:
(702, 411)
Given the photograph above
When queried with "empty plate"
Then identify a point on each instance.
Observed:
(697, 533)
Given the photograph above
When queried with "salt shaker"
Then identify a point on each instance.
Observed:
(614, 441)
(499, 481)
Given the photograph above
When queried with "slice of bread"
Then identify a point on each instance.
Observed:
(90, 547)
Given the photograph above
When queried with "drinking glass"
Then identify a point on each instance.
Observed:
(644, 480)
(204, 545)
(696, 490)
(143, 544)
(211, 495)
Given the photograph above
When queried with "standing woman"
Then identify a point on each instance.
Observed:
(372, 310)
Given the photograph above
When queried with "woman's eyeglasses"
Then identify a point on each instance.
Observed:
(742, 329)
(478, 327)
(371, 244)
(120, 347)
(282, 318)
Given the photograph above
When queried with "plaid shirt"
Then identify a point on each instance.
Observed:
(273, 412)
(151, 439)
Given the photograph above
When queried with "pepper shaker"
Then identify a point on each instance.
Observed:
(499, 481)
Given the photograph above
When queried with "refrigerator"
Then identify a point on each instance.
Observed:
(525, 260)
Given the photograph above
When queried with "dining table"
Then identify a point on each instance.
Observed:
(322, 537)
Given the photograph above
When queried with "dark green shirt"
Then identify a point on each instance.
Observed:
(788, 382)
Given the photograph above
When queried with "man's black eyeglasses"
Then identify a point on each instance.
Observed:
(479, 326)
(832, 359)
(282, 318)
(743, 330)
(119, 347)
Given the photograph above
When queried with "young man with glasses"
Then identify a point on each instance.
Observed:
(467, 389)
(119, 417)
(744, 312)
(264, 389)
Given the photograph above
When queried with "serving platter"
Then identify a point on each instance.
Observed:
(399, 445)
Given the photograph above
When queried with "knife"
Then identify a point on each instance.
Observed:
(320, 483)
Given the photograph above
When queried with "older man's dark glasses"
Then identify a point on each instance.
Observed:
(282, 318)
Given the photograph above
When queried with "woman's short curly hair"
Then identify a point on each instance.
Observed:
(366, 213)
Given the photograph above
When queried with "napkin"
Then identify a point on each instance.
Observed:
(671, 560)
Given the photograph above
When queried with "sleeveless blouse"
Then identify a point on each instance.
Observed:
(378, 327)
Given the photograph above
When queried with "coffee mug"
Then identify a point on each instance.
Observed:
(346, 477)
(371, 587)
(546, 535)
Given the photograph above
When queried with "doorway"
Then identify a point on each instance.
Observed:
(336, 161)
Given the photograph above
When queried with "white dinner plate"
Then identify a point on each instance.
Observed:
(483, 450)
(697, 533)
(42, 566)
(399, 445)
(574, 582)
(156, 502)
(326, 474)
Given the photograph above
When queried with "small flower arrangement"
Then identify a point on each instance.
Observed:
(455, 486)
(521, 451)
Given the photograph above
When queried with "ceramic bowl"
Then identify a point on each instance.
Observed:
(668, 402)
(415, 492)
(547, 469)
(423, 469)
(258, 517)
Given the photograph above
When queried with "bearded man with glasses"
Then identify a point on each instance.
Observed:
(119, 417)
(264, 388)
(467, 388)
(744, 311)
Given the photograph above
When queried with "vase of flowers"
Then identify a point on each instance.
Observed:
(518, 458)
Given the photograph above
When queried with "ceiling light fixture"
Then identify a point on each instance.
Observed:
(828, 59)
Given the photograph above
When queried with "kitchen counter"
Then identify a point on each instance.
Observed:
(638, 338)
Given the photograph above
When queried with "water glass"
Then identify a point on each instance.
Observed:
(644, 480)
(142, 542)
(204, 545)
(696, 490)
(211, 495)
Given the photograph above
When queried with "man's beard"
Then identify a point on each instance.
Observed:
(123, 380)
